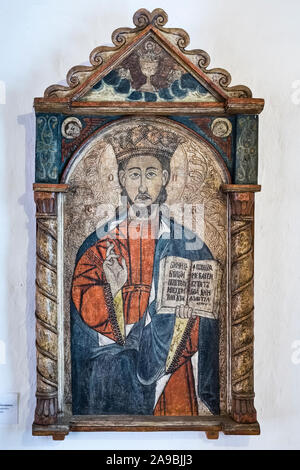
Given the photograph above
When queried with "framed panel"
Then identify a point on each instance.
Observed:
(146, 169)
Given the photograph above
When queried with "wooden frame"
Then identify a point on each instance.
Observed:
(55, 154)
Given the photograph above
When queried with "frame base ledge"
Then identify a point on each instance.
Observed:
(211, 425)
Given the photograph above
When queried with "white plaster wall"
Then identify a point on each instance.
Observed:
(258, 42)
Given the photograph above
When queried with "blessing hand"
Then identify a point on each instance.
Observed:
(116, 273)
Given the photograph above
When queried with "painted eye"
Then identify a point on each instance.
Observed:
(134, 175)
(150, 175)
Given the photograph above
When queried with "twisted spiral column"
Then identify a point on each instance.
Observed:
(242, 301)
(45, 197)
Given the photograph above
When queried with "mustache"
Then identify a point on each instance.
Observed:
(142, 196)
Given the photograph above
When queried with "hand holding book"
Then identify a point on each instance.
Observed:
(184, 311)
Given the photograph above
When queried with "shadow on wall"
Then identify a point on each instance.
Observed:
(27, 201)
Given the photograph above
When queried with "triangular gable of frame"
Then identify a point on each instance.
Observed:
(149, 66)
(150, 72)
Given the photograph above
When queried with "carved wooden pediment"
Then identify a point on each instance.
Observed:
(150, 63)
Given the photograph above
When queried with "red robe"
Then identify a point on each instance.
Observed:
(137, 248)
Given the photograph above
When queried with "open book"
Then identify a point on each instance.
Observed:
(193, 283)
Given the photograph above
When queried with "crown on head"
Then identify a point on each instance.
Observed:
(144, 140)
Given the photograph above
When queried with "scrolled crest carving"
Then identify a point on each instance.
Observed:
(143, 18)
(144, 21)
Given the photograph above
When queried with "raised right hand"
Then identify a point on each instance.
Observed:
(116, 273)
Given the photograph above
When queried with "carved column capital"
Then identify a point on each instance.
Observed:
(241, 198)
(45, 198)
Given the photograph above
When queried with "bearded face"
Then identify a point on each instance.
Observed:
(143, 179)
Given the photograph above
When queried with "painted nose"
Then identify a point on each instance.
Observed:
(143, 187)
